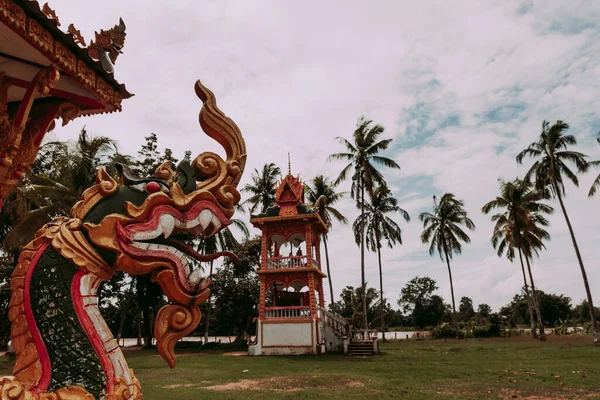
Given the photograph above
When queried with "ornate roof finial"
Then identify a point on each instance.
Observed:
(289, 164)
(50, 13)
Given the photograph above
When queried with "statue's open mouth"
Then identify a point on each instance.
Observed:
(152, 239)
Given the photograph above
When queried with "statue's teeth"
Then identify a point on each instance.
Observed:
(167, 224)
(204, 218)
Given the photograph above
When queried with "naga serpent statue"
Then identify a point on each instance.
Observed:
(63, 346)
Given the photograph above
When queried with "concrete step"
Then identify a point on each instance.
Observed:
(361, 348)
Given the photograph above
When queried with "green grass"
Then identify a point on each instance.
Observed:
(562, 368)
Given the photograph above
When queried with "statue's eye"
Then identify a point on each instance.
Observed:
(150, 187)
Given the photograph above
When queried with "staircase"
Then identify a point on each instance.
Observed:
(361, 348)
(335, 329)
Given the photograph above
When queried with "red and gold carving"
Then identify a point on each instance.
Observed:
(79, 244)
(18, 137)
(287, 278)
(13, 15)
(86, 75)
(108, 41)
(104, 90)
(50, 13)
(118, 99)
(213, 173)
(77, 37)
(41, 37)
(65, 58)
(172, 323)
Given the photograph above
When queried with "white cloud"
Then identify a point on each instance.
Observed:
(293, 75)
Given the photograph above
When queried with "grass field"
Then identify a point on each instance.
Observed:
(562, 368)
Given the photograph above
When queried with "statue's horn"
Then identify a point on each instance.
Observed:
(121, 25)
(212, 172)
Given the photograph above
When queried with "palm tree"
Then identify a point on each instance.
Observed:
(262, 188)
(322, 195)
(53, 188)
(441, 230)
(362, 155)
(378, 226)
(548, 169)
(518, 227)
(223, 240)
(596, 183)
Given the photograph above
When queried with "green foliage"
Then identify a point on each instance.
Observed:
(596, 183)
(262, 188)
(376, 222)
(418, 300)
(441, 228)
(349, 305)
(322, 196)
(235, 302)
(46, 193)
(362, 155)
(149, 156)
(465, 309)
(554, 308)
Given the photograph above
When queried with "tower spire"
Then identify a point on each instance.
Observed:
(289, 164)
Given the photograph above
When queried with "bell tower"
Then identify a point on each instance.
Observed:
(291, 281)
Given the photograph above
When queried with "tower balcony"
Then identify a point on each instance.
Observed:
(275, 263)
(295, 312)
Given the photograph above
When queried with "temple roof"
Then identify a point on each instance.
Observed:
(35, 27)
(290, 189)
(289, 196)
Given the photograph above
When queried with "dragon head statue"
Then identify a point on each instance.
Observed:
(109, 44)
(140, 225)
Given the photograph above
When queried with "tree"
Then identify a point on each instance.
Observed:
(168, 156)
(555, 308)
(350, 305)
(262, 188)
(236, 298)
(417, 298)
(441, 230)
(187, 156)
(149, 156)
(552, 154)
(362, 155)
(221, 241)
(322, 195)
(55, 184)
(465, 309)
(581, 312)
(484, 310)
(378, 226)
(596, 183)
(518, 227)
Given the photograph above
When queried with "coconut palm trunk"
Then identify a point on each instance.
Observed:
(328, 270)
(529, 304)
(588, 292)
(534, 298)
(362, 258)
(451, 289)
(381, 302)
(528, 298)
(209, 306)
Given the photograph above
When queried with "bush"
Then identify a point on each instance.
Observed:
(491, 328)
(445, 331)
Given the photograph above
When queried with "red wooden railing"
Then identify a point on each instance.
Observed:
(290, 262)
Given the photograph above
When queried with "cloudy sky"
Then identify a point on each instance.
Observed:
(460, 86)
